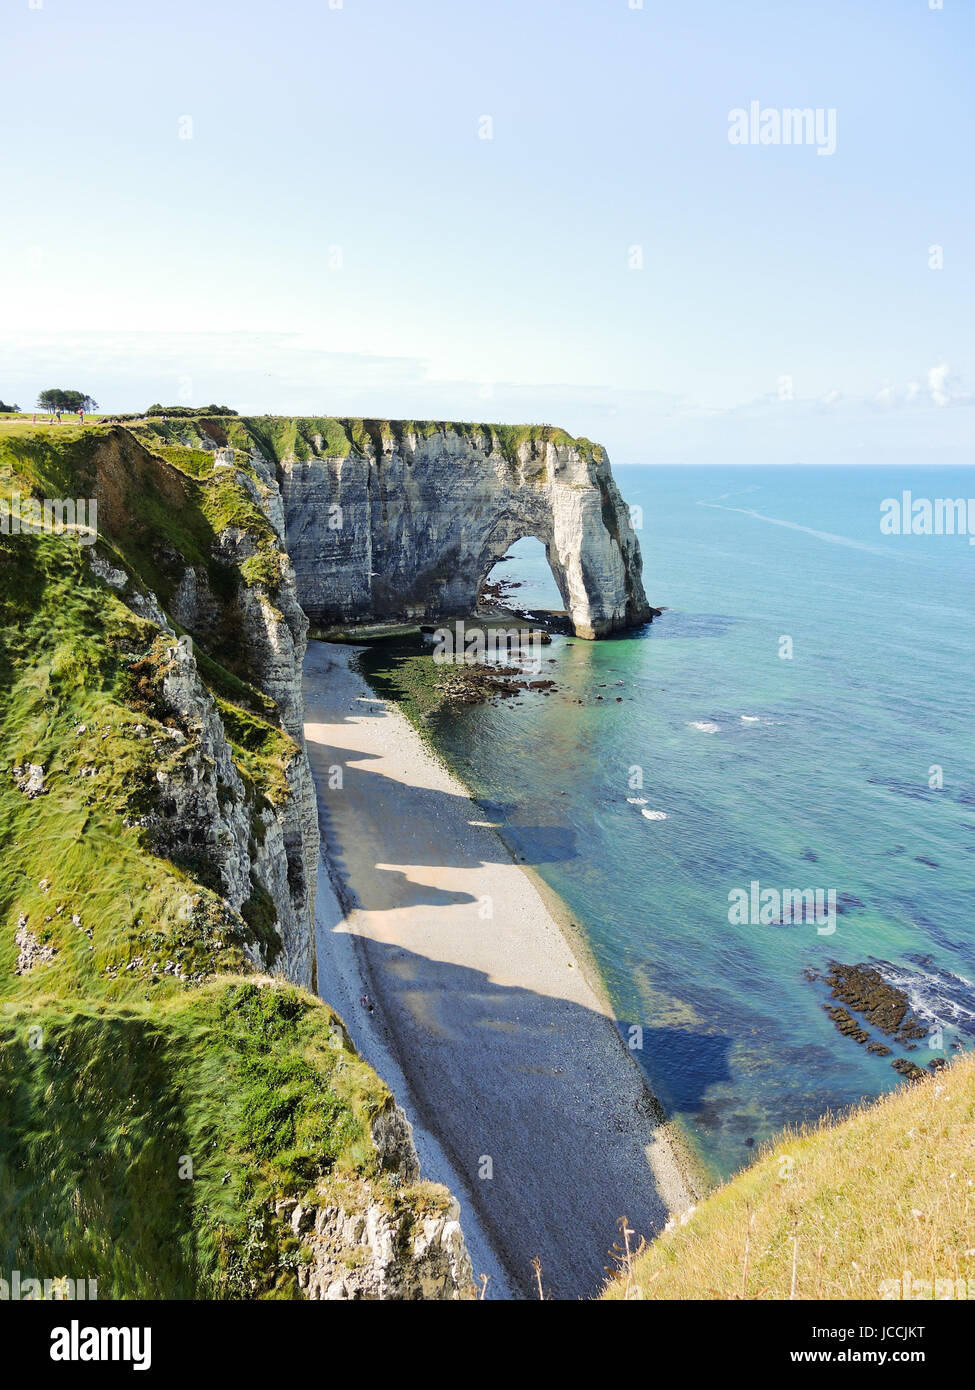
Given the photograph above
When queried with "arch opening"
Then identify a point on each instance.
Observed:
(522, 581)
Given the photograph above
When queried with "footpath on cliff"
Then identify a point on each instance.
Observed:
(459, 987)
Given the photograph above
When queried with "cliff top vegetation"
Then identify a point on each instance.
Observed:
(839, 1210)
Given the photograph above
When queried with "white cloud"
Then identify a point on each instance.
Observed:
(937, 384)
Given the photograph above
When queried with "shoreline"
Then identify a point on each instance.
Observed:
(700, 1180)
(347, 975)
(696, 1177)
(460, 981)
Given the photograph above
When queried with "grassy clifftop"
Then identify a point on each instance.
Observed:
(280, 438)
(189, 440)
(159, 1100)
(840, 1211)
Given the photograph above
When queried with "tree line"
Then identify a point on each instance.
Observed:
(187, 411)
(58, 402)
(65, 402)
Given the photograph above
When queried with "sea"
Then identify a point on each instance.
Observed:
(800, 717)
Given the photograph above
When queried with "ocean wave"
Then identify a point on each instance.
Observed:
(935, 994)
(706, 726)
(654, 815)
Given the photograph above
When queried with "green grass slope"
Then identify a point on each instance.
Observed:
(281, 438)
(880, 1205)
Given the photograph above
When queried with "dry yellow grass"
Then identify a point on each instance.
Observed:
(880, 1205)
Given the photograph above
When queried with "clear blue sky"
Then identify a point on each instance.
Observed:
(489, 278)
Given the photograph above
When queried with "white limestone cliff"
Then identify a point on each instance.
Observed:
(407, 525)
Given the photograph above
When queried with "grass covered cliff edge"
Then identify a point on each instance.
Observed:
(175, 1121)
(877, 1205)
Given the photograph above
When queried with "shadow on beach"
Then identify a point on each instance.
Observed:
(536, 1105)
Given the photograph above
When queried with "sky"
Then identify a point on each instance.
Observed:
(516, 210)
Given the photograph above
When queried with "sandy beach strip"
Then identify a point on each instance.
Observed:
(482, 1021)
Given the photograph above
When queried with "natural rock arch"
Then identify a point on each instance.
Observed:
(426, 511)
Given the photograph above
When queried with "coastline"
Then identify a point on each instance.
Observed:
(697, 1180)
(481, 1009)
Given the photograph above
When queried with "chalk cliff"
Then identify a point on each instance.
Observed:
(253, 526)
(157, 932)
(223, 577)
(409, 520)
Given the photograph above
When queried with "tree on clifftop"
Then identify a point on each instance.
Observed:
(186, 411)
(65, 401)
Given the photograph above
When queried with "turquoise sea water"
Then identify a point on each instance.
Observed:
(809, 772)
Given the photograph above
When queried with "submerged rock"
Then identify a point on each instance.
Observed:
(863, 989)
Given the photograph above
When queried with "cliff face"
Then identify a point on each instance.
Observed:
(360, 1245)
(158, 856)
(238, 602)
(272, 630)
(409, 522)
(340, 521)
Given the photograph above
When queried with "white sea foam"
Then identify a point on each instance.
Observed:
(654, 815)
(637, 800)
(934, 993)
(706, 726)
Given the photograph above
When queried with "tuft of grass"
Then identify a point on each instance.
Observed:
(839, 1210)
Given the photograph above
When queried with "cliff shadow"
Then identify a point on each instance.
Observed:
(407, 832)
(694, 1062)
(541, 1113)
